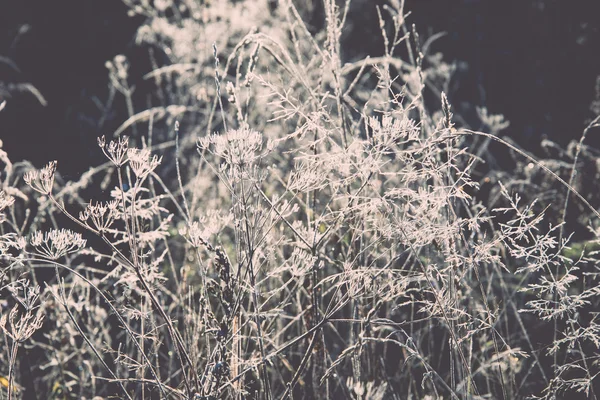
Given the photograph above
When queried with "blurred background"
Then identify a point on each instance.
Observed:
(535, 61)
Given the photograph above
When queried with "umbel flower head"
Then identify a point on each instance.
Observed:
(20, 327)
(237, 146)
(141, 162)
(115, 150)
(56, 243)
(101, 215)
(42, 181)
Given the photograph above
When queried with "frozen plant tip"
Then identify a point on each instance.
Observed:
(20, 329)
(57, 243)
(100, 215)
(42, 181)
(237, 146)
(116, 150)
(141, 162)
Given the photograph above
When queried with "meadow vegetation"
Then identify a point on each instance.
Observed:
(275, 221)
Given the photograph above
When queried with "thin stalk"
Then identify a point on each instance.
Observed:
(252, 274)
(11, 367)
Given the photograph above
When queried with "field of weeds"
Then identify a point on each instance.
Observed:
(274, 221)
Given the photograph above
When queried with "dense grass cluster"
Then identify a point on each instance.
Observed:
(275, 223)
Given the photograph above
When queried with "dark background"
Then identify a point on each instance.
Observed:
(61, 47)
(535, 61)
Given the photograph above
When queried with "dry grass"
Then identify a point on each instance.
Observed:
(282, 225)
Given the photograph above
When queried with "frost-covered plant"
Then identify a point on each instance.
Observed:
(316, 232)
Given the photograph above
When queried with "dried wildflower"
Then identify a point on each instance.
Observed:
(101, 215)
(11, 241)
(141, 163)
(42, 181)
(145, 208)
(57, 243)
(238, 146)
(116, 150)
(20, 328)
(26, 294)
